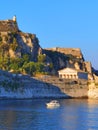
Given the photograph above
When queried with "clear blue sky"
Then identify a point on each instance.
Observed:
(58, 23)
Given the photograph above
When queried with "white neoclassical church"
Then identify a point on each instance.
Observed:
(70, 73)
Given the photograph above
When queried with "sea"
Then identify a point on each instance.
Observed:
(33, 114)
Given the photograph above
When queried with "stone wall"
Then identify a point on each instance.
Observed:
(73, 51)
(72, 88)
(24, 86)
(8, 25)
(88, 66)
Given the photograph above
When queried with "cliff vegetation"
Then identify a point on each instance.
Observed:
(21, 53)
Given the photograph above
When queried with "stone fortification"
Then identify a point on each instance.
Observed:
(74, 88)
(88, 66)
(19, 43)
(75, 52)
(9, 25)
(23, 43)
(68, 51)
(23, 86)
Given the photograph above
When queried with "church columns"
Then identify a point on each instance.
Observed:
(69, 76)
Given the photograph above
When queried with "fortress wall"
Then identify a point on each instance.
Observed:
(73, 51)
(88, 66)
(8, 25)
(72, 88)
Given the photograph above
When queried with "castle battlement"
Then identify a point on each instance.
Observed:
(9, 25)
(73, 51)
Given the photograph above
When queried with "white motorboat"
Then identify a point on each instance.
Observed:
(53, 103)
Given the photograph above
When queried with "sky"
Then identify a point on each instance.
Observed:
(58, 23)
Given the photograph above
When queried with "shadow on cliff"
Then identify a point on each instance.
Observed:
(45, 87)
(52, 91)
(66, 88)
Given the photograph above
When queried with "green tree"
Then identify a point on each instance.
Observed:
(4, 47)
(26, 58)
(41, 58)
(14, 67)
(16, 64)
(29, 68)
(39, 67)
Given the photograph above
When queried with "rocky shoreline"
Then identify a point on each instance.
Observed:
(17, 86)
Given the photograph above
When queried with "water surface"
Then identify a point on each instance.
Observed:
(33, 114)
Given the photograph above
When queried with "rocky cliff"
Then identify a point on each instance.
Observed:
(19, 86)
(20, 51)
(15, 44)
(68, 57)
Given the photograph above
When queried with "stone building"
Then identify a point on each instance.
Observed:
(69, 73)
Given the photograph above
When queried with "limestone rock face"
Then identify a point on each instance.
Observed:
(15, 43)
(69, 57)
(21, 43)
(28, 44)
(18, 43)
(58, 60)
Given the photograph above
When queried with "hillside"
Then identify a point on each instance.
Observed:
(15, 42)
(22, 53)
(29, 71)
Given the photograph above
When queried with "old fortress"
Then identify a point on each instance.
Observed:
(71, 74)
(8, 26)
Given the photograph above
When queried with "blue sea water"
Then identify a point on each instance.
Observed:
(73, 114)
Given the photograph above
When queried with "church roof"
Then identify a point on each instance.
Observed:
(70, 70)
